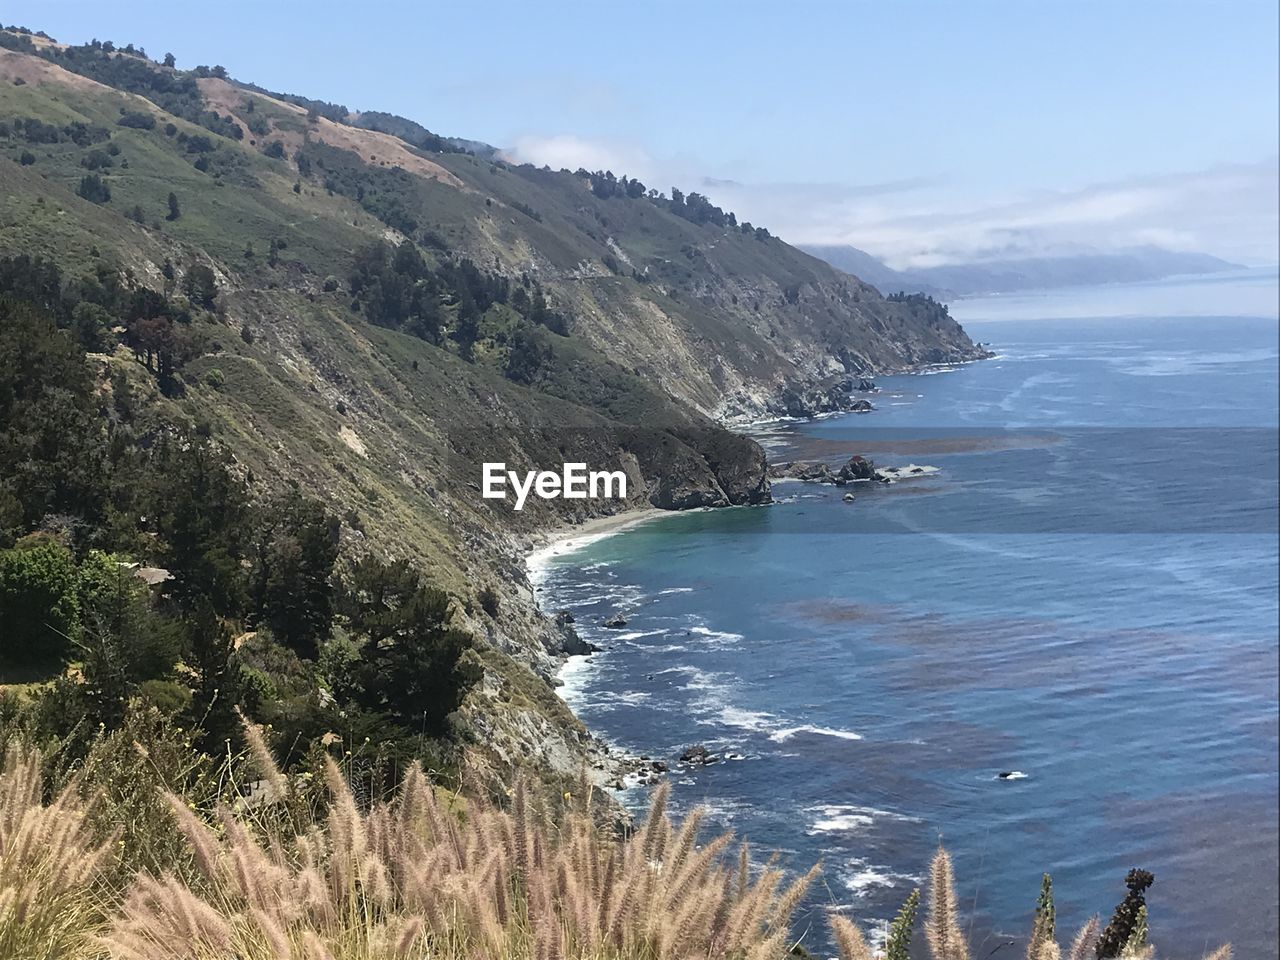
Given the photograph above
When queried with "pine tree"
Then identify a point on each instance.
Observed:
(217, 688)
(174, 211)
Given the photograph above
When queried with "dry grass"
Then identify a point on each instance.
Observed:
(413, 878)
(421, 875)
(51, 869)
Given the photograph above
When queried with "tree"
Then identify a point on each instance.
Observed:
(38, 603)
(201, 515)
(200, 285)
(174, 211)
(170, 60)
(217, 686)
(124, 643)
(94, 189)
(295, 555)
(414, 667)
(52, 442)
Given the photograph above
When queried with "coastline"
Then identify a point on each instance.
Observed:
(571, 537)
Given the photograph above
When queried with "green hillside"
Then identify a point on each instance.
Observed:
(360, 321)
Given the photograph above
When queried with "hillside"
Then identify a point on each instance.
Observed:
(349, 303)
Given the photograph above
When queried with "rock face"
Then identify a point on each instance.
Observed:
(833, 395)
(698, 755)
(813, 471)
(702, 467)
(565, 640)
(858, 468)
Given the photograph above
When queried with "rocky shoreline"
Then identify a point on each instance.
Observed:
(609, 767)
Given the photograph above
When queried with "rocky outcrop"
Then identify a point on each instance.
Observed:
(857, 469)
(564, 639)
(833, 395)
(812, 471)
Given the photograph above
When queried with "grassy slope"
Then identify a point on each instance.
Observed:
(390, 426)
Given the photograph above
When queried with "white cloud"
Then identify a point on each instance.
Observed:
(1229, 210)
(566, 151)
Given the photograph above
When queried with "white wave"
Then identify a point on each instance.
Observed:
(841, 823)
(630, 697)
(750, 720)
(786, 733)
(663, 593)
(633, 634)
(575, 676)
(861, 877)
(846, 818)
(717, 637)
(1012, 775)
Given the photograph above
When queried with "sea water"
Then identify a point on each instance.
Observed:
(1084, 597)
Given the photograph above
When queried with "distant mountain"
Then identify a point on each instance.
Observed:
(1029, 273)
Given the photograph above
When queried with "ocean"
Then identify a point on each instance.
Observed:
(1084, 595)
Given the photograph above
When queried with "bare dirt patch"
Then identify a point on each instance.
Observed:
(376, 149)
(29, 69)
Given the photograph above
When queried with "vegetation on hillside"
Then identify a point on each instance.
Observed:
(247, 368)
(246, 607)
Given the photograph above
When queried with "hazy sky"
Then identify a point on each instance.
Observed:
(921, 131)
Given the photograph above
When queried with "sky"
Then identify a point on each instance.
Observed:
(923, 132)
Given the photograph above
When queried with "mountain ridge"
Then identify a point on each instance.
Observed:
(979, 277)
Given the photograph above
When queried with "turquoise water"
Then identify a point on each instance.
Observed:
(1086, 593)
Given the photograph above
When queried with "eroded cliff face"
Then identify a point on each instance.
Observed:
(671, 329)
(735, 323)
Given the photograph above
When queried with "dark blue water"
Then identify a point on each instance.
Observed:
(1086, 593)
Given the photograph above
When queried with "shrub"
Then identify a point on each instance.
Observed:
(38, 601)
(137, 120)
(94, 189)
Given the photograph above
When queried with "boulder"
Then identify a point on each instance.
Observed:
(698, 755)
(848, 498)
(858, 468)
(616, 622)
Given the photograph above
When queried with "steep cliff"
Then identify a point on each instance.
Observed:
(376, 317)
